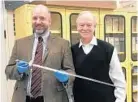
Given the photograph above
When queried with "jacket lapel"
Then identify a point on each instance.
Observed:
(30, 47)
(48, 47)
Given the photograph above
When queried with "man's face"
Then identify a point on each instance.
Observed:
(85, 26)
(40, 21)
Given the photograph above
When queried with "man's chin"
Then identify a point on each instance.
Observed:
(86, 36)
(39, 31)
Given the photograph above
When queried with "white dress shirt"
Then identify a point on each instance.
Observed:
(115, 71)
(44, 36)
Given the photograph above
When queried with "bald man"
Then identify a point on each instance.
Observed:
(96, 59)
(54, 52)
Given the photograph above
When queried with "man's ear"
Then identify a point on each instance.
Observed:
(95, 24)
(49, 21)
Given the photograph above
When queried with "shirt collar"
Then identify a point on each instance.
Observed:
(44, 36)
(93, 42)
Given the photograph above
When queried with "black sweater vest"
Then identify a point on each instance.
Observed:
(93, 65)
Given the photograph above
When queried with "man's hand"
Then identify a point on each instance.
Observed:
(22, 66)
(62, 76)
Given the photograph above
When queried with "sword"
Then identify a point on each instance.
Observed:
(73, 75)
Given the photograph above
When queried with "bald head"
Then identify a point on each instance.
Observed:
(41, 8)
(87, 15)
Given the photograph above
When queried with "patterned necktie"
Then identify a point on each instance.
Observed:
(36, 72)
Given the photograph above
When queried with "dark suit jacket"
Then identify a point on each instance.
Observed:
(57, 56)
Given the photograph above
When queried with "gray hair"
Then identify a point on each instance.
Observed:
(89, 14)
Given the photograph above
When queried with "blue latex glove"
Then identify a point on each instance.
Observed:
(22, 66)
(61, 76)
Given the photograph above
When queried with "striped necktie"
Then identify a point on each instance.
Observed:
(36, 72)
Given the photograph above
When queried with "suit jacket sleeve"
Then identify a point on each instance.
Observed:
(67, 62)
(11, 70)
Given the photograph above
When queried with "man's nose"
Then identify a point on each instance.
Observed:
(85, 27)
(38, 21)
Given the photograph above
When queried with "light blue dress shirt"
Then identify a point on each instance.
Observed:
(45, 37)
